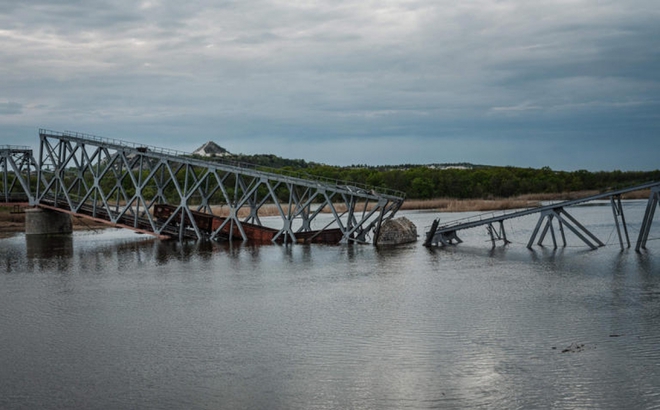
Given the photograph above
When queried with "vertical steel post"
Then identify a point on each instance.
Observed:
(654, 200)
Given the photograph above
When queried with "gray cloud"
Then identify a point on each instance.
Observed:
(10, 108)
(402, 81)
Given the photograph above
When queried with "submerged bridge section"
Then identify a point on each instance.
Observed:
(551, 215)
(173, 194)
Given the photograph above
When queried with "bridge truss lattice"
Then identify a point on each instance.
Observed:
(554, 215)
(18, 172)
(123, 182)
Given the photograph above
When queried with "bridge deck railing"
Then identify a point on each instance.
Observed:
(446, 233)
(486, 217)
(20, 148)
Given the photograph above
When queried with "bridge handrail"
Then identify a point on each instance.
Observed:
(330, 181)
(15, 148)
(304, 176)
(239, 164)
(506, 214)
(485, 216)
(114, 141)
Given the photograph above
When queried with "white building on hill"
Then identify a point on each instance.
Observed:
(211, 149)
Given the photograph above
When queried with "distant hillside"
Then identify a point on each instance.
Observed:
(266, 160)
(213, 151)
(457, 180)
(452, 165)
(273, 161)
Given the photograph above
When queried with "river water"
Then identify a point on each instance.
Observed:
(115, 320)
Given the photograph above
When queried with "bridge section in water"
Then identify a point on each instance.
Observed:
(173, 194)
(549, 216)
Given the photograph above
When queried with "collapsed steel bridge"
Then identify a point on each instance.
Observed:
(173, 194)
(447, 234)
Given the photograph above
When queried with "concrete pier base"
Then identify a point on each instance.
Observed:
(46, 222)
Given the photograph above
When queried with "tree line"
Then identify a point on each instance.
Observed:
(423, 182)
(462, 181)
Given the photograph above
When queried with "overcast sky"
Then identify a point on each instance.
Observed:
(570, 84)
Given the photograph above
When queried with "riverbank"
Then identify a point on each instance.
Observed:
(11, 222)
(502, 204)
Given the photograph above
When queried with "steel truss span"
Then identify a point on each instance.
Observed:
(173, 194)
(18, 171)
(551, 215)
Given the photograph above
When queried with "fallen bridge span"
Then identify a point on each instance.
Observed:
(549, 216)
(171, 193)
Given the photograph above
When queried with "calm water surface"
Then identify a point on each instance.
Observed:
(114, 320)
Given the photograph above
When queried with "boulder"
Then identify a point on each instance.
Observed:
(397, 231)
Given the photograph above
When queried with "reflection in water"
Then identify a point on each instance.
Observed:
(49, 246)
(49, 252)
(116, 320)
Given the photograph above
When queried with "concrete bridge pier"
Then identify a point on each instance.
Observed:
(40, 221)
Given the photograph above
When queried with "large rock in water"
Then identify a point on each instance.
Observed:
(397, 231)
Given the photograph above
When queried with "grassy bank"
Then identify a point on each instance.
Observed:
(15, 222)
(499, 204)
(468, 205)
(448, 204)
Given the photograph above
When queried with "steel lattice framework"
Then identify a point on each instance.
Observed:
(19, 171)
(123, 183)
(550, 215)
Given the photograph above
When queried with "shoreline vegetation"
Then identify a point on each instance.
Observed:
(502, 204)
(15, 222)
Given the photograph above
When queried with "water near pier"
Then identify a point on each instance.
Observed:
(115, 320)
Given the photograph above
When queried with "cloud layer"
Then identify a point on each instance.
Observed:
(570, 84)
